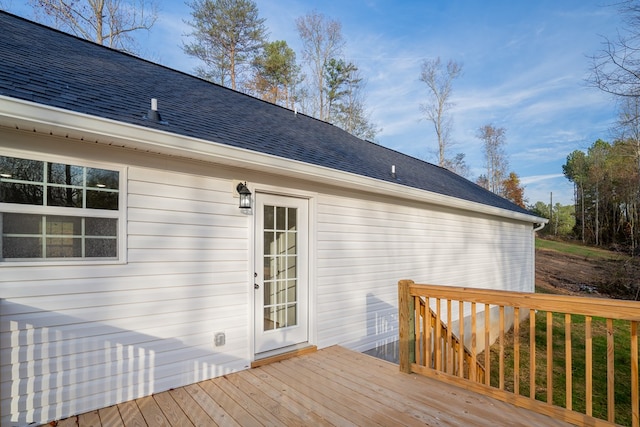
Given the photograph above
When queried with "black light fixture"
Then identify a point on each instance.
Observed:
(245, 196)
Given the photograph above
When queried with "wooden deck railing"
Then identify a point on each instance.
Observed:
(587, 326)
(448, 347)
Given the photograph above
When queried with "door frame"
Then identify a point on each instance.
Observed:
(254, 228)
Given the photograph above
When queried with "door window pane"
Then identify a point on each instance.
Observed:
(291, 315)
(270, 321)
(269, 242)
(291, 291)
(281, 218)
(291, 267)
(269, 217)
(291, 243)
(292, 219)
(282, 268)
(269, 294)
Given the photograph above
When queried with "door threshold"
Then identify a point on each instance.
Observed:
(283, 356)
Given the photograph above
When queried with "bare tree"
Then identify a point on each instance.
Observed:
(321, 41)
(458, 165)
(628, 128)
(494, 140)
(439, 80)
(107, 22)
(228, 35)
(615, 69)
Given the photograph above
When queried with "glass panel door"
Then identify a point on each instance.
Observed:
(281, 282)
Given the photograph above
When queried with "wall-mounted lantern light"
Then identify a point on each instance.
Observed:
(245, 196)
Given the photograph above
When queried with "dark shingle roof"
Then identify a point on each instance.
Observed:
(46, 66)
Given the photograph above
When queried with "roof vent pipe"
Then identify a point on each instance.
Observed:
(393, 171)
(153, 113)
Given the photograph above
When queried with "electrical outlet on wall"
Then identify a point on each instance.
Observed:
(220, 339)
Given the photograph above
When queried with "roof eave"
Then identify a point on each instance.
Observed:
(16, 113)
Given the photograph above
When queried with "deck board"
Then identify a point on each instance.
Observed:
(151, 412)
(172, 410)
(333, 386)
(110, 417)
(131, 415)
(191, 408)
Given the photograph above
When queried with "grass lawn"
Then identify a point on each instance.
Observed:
(588, 252)
(599, 334)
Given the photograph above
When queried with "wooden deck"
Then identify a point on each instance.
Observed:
(333, 386)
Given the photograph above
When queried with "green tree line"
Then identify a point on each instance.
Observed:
(607, 191)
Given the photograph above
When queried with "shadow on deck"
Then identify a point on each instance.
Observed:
(333, 386)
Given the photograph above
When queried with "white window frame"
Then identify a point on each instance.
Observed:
(119, 214)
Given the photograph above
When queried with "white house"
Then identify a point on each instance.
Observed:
(128, 268)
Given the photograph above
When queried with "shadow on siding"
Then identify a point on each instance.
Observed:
(382, 329)
(53, 365)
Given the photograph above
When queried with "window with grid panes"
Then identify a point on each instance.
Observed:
(53, 211)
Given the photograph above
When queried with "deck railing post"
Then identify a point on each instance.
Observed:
(406, 326)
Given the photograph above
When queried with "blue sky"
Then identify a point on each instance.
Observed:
(524, 69)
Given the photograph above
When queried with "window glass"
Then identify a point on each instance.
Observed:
(281, 218)
(65, 174)
(269, 216)
(21, 224)
(101, 248)
(63, 247)
(64, 196)
(25, 194)
(50, 186)
(102, 200)
(23, 247)
(23, 181)
(63, 236)
(101, 178)
(64, 225)
(21, 169)
(101, 226)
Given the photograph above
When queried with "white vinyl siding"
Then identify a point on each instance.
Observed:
(365, 247)
(78, 337)
(83, 337)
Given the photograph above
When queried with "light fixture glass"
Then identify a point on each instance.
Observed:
(245, 196)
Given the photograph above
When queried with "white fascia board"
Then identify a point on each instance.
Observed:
(40, 118)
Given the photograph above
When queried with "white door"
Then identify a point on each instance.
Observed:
(281, 278)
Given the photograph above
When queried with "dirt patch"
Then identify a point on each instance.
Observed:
(561, 273)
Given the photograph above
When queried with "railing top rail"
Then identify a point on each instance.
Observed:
(597, 307)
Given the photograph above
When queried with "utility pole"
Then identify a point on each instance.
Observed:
(551, 208)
